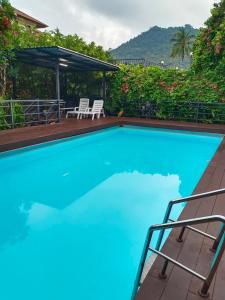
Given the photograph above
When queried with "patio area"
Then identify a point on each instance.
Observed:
(194, 252)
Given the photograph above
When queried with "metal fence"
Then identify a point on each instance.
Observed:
(191, 111)
(139, 61)
(129, 61)
(19, 113)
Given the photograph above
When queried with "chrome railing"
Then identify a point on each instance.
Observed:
(215, 262)
(183, 200)
(218, 244)
(19, 113)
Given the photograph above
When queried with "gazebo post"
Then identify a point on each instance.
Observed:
(58, 89)
(104, 86)
(14, 77)
(14, 87)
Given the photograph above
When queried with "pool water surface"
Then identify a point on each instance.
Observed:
(74, 214)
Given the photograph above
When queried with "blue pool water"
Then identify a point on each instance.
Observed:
(74, 214)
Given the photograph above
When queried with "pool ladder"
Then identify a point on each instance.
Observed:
(218, 242)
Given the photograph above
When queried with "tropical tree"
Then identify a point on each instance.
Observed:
(209, 47)
(182, 43)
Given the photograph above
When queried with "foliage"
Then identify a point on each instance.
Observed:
(170, 88)
(33, 82)
(154, 45)
(6, 35)
(133, 86)
(30, 38)
(6, 28)
(9, 112)
(3, 118)
(209, 48)
(182, 43)
(43, 83)
(15, 36)
(18, 115)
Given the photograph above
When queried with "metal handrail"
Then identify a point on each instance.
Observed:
(182, 200)
(207, 280)
(32, 100)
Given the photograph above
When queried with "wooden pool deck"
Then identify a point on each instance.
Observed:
(22, 137)
(194, 251)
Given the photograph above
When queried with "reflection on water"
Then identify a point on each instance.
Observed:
(75, 212)
(17, 215)
(115, 190)
(13, 221)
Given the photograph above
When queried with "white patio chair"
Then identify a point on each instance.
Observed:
(83, 106)
(97, 110)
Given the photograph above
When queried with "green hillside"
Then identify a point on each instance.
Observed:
(153, 45)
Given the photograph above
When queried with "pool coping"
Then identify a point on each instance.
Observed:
(213, 178)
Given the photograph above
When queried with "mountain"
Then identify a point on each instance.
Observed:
(154, 45)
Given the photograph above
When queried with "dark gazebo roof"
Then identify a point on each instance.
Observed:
(50, 57)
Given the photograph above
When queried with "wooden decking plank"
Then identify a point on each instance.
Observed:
(152, 290)
(205, 255)
(202, 267)
(219, 287)
(191, 296)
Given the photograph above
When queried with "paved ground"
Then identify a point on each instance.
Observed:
(194, 252)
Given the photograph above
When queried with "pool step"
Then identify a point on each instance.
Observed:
(149, 263)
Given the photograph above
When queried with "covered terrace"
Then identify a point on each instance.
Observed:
(61, 61)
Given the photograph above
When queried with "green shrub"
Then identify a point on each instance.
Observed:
(6, 118)
(18, 115)
(168, 89)
(3, 121)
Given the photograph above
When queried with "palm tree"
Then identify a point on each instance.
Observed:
(182, 43)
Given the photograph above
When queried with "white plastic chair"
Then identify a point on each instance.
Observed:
(83, 107)
(97, 109)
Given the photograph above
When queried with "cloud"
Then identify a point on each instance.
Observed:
(96, 26)
(110, 23)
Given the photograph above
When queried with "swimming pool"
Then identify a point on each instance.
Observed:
(75, 213)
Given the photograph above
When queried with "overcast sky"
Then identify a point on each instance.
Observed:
(112, 22)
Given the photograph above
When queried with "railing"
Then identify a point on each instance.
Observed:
(192, 111)
(183, 200)
(139, 61)
(218, 244)
(129, 61)
(19, 113)
(215, 263)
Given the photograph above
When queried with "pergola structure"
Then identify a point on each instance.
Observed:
(58, 59)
